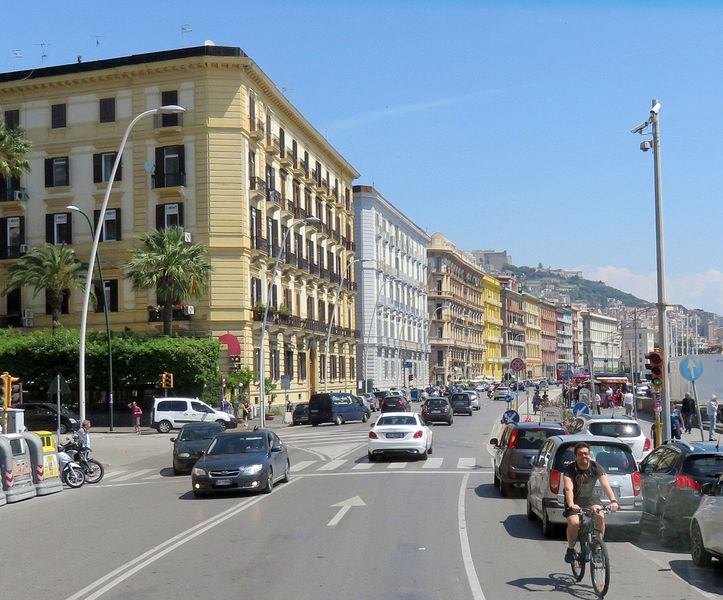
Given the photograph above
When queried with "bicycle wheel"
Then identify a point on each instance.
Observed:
(578, 562)
(599, 568)
(94, 471)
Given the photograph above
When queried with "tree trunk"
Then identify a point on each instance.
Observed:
(55, 316)
(167, 319)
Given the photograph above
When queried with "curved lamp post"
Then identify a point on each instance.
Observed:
(262, 374)
(107, 323)
(169, 109)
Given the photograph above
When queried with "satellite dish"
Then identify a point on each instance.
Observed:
(209, 43)
(149, 167)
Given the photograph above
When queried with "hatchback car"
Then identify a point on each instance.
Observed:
(300, 416)
(706, 526)
(545, 493)
(399, 433)
(461, 404)
(43, 416)
(437, 410)
(192, 440)
(671, 478)
(393, 404)
(474, 398)
(501, 392)
(514, 450)
(241, 460)
(621, 427)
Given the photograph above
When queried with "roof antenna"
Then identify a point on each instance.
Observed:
(97, 40)
(17, 54)
(43, 55)
(185, 28)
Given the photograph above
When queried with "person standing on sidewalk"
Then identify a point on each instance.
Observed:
(675, 424)
(688, 412)
(137, 412)
(712, 416)
(628, 402)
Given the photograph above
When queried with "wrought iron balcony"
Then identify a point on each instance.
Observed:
(257, 129)
(166, 180)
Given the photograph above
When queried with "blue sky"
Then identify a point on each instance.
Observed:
(503, 125)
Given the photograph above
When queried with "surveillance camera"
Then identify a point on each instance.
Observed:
(656, 109)
(645, 146)
(639, 128)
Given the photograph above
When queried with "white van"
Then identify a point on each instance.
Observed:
(174, 413)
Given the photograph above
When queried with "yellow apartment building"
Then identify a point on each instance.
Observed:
(237, 170)
(533, 348)
(492, 293)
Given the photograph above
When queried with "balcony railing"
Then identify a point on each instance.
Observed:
(155, 315)
(166, 180)
(257, 128)
(273, 196)
(10, 321)
(260, 243)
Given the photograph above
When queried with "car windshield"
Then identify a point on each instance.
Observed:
(532, 439)
(437, 403)
(234, 444)
(615, 429)
(194, 434)
(614, 459)
(398, 420)
(704, 465)
(302, 406)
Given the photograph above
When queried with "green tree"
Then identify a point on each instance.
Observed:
(177, 270)
(51, 268)
(13, 150)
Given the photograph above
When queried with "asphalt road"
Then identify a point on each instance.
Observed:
(341, 529)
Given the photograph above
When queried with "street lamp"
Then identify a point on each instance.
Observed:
(107, 323)
(333, 316)
(262, 378)
(168, 109)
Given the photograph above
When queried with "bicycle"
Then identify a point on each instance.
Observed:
(590, 548)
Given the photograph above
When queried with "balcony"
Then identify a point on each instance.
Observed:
(273, 146)
(14, 195)
(260, 244)
(169, 180)
(273, 196)
(155, 314)
(256, 129)
(258, 188)
(291, 259)
(10, 321)
(168, 122)
(286, 158)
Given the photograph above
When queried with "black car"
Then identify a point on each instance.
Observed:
(461, 403)
(241, 460)
(300, 416)
(193, 439)
(394, 404)
(43, 416)
(437, 410)
(671, 477)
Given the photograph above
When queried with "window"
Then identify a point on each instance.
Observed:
(255, 223)
(12, 119)
(322, 367)
(310, 252)
(352, 368)
(58, 228)
(12, 235)
(333, 367)
(106, 107)
(103, 167)
(275, 366)
(58, 116)
(289, 363)
(440, 358)
(302, 365)
(169, 98)
(307, 202)
(108, 297)
(170, 167)
(56, 171)
(111, 225)
(64, 310)
(256, 297)
(169, 215)
(342, 368)
(310, 308)
(257, 360)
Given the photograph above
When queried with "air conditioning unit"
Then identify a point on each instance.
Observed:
(27, 322)
(189, 310)
(20, 195)
(24, 248)
(187, 237)
(28, 314)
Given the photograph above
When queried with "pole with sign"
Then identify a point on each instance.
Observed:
(691, 368)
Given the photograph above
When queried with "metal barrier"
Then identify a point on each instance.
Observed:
(46, 474)
(16, 466)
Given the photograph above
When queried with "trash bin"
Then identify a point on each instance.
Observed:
(16, 466)
(46, 474)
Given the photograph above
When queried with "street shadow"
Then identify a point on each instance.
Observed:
(707, 579)
(555, 582)
(650, 540)
(488, 490)
(168, 472)
(519, 526)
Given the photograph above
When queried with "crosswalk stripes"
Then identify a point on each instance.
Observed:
(112, 475)
(362, 466)
(331, 465)
(301, 465)
(132, 475)
(466, 463)
(433, 463)
(397, 465)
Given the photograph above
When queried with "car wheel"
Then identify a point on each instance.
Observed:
(548, 529)
(63, 429)
(364, 418)
(176, 471)
(666, 531)
(222, 422)
(314, 424)
(337, 420)
(372, 457)
(423, 455)
(698, 553)
(530, 512)
(164, 427)
(269, 482)
(287, 473)
(504, 489)
(450, 422)
(430, 450)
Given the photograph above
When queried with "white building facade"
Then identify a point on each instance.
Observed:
(391, 308)
(637, 342)
(601, 336)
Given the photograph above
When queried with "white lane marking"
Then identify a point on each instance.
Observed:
(466, 463)
(317, 454)
(150, 556)
(156, 476)
(362, 466)
(133, 475)
(472, 577)
(344, 507)
(433, 463)
(330, 466)
(113, 474)
(301, 465)
(397, 465)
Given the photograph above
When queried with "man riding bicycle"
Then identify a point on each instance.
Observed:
(580, 478)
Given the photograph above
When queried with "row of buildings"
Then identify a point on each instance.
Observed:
(363, 296)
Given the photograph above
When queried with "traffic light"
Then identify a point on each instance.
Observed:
(16, 393)
(170, 379)
(164, 380)
(411, 377)
(8, 390)
(656, 368)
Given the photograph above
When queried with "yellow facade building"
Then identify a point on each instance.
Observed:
(533, 348)
(237, 170)
(493, 327)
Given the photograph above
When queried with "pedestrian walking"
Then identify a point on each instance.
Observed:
(628, 403)
(137, 412)
(245, 412)
(610, 400)
(712, 416)
(687, 411)
(225, 405)
(595, 403)
(675, 422)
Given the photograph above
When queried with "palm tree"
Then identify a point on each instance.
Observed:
(51, 268)
(13, 150)
(176, 269)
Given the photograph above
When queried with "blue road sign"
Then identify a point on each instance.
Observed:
(581, 409)
(567, 375)
(691, 368)
(407, 364)
(508, 398)
(510, 416)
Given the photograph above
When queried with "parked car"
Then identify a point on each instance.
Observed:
(706, 526)
(437, 410)
(516, 447)
(545, 497)
(393, 404)
(192, 440)
(43, 416)
(300, 416)
(621, 427)
(241, 460)
(400, 433)
(336, 408)
(461, 404)
(501, 392)
(174, 413)
(371, 401)
(672, 476)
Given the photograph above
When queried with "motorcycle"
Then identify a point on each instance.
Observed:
(92, 469)
(71, 472)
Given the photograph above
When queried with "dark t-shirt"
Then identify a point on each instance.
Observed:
(583, 482)
(688, 405)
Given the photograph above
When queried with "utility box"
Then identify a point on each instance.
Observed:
(46, 473)
(16, 420)
(16, 467)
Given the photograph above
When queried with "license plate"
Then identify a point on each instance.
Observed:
(436, 412)
(395, 435)
(222, 482)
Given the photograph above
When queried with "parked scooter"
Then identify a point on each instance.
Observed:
(92, 469)
(71, 473)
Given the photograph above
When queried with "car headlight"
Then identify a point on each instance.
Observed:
(198, 472)
(72, 420)
(183, 455)
(251, 469)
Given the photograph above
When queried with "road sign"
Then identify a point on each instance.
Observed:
(567, 375)
(510, 416)
(517, 365)
(551, 414)
(407, 364)
(581, 409)
(691, 368)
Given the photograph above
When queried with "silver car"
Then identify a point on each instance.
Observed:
(474, 398)
(706, 526)
(622, 427)
(545, 487)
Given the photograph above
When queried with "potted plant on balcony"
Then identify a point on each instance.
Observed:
(259, 309)
(284, 313)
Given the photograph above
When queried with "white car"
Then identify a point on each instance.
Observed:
(622, 427)
(399, 433)
(706, 526)
(474, 398)
(501, 393)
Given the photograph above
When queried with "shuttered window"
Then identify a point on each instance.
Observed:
(111, 225)
(106, 108)
(103, 167)
(58, 116)
(57, 172)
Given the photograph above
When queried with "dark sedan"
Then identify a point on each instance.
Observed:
(250, 460)
(43, 416)
(193, 439)
(437, 410)
(300, 416)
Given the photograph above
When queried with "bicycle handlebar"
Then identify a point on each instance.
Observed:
(591, 511)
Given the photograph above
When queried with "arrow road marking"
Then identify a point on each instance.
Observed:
(344, 507)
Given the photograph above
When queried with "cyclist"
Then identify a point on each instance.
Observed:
(581, 475)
